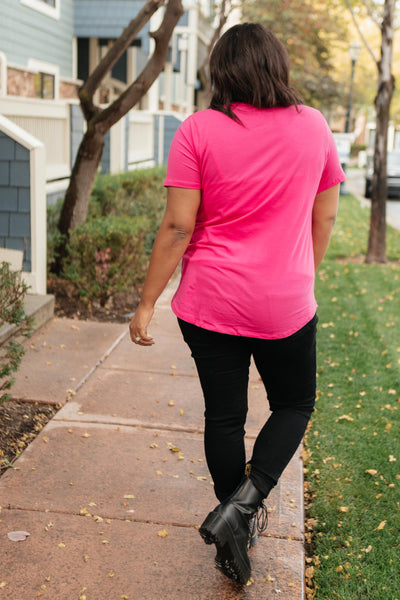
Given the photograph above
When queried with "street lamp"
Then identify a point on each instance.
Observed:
(354, 51)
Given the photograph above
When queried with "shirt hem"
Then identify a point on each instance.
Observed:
(243, 332)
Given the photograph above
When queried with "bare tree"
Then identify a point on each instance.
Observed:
(377, 232)
(99, 121)
(224, 11)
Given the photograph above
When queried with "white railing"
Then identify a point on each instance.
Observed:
(141, 138)
(49, 122)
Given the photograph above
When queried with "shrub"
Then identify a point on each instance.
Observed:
(135, 193)
(106, 257)
(12, 294)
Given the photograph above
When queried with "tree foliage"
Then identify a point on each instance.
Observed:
(382, 13)
(309, 31)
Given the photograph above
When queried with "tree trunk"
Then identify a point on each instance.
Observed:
(76, 202)
(377, 232)
(77, 197)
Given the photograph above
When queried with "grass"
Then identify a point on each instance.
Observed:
(352, 450)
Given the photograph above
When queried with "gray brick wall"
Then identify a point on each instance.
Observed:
(15, 202)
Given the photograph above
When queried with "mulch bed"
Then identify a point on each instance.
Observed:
(20, 422)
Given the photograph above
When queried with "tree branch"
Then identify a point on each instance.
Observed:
(370, 12)
(110, 115)
(360, 33)
(224, 11)
(115, 52)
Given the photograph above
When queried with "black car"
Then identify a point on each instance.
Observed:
(393, 174)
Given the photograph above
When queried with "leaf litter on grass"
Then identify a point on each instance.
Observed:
(353, 546)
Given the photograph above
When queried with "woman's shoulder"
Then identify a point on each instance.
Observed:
(310, 113)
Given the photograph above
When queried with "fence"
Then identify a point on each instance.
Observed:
(49, 122)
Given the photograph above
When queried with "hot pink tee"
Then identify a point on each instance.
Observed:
(249, 267)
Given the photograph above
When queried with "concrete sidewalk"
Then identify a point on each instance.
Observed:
(113, 489)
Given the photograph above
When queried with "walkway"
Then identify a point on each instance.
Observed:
(113, 489)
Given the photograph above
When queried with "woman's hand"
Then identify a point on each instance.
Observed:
(138, 326)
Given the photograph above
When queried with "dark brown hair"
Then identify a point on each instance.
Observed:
(249, 64)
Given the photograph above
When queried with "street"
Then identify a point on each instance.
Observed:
(355, 184)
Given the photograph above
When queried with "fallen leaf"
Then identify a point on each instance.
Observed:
(371, 471)
(343, 509)
(128, 496)
(181, 412)
(3, 584)
(345, 418)
(171, 403)
(61, 545)
(162, 533)
(86, 435)
(18, 536)
(381, 525)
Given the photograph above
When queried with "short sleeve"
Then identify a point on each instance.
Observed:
(333, 172)
(183, 169)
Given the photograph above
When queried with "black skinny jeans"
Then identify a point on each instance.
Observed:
(288, 370)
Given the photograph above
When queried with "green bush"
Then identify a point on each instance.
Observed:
(134, 194)
(12, 294)
(106, 257)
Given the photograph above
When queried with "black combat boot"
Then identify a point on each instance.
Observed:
(228, 527)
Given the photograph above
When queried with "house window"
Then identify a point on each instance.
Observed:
(51, 8)
(44, 85)
(46, 79)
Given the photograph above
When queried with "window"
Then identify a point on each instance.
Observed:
(51, 8)
(44, 85)
(45, 78)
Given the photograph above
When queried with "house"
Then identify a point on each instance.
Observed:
(47, 47)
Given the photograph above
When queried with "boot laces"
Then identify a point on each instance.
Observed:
(262, 518)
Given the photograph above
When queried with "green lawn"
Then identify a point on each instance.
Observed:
(352, 450)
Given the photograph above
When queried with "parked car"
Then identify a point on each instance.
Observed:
(393, 174)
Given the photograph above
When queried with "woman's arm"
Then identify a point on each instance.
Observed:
(171, 242)
(323, 219)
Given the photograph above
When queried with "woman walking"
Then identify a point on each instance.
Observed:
(253, 187)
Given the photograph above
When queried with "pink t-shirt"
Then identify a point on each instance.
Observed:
(249, 267)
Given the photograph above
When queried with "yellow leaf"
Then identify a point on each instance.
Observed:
(61, 545)
(86, 435)
(345, 418)
(343, 509)
(3, 584)
(182, 412)
(162, 533)
(128, 496)
(371, 471)
(381, 525)
(171, 403)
